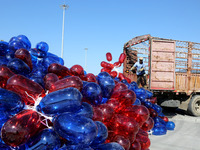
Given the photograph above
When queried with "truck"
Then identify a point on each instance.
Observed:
(172, 70)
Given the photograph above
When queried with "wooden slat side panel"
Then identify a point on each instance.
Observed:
(161, 85)
(163, 46)
(181, 82)
(194, 82)
(162, 65)
(162, 77)
(163, 56)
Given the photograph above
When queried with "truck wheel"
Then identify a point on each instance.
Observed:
(194, 106)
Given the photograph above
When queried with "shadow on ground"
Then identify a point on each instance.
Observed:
(171, 112)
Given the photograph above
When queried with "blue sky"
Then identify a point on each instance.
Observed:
(100, 25)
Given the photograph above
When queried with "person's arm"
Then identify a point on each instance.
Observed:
(134, 67)
(142, 68)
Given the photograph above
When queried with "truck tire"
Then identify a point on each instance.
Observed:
(194, 106)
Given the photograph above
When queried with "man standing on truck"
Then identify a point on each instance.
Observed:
(140, 72)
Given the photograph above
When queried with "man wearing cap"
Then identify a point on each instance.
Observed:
(140, 72)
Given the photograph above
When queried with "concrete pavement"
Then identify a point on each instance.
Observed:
(186, 135)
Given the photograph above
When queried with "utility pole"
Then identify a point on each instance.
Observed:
(86, 49)
(64, 7)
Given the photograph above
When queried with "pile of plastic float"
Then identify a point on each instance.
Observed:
(44, 105)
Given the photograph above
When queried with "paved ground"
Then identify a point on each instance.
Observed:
(186, 135)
